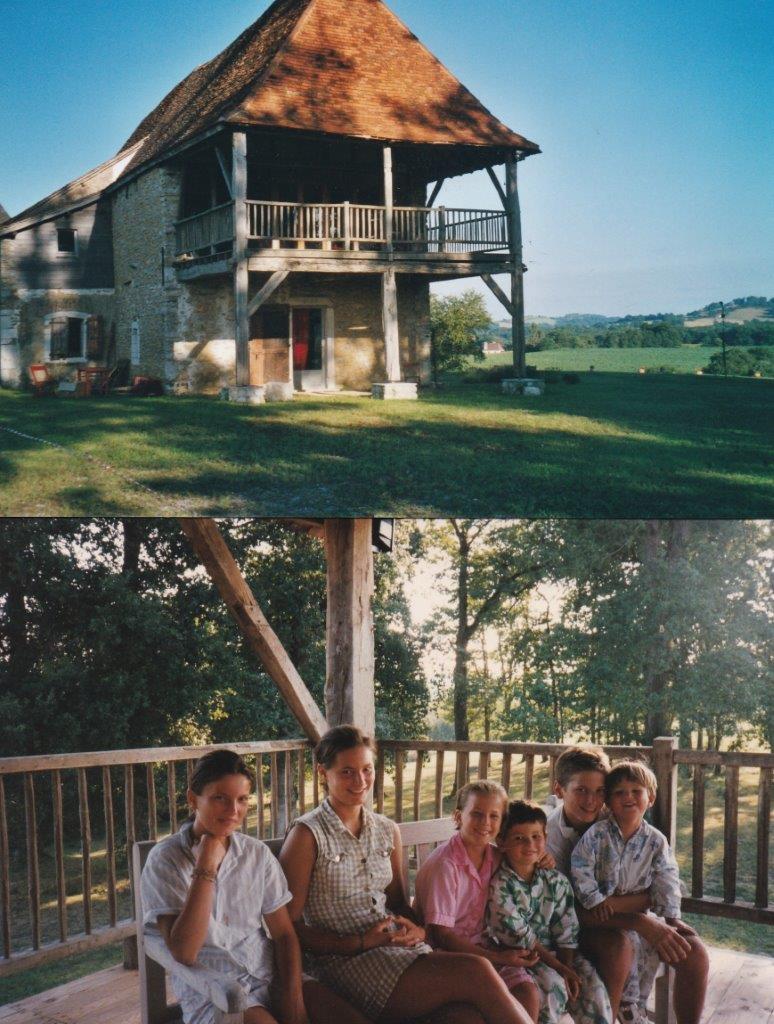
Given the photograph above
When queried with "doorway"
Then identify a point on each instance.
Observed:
(310, 344)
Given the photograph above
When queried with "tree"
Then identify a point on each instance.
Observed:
(457, 324)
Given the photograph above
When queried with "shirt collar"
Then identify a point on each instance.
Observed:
(536, 877)
(615, 829)
(338, 824)
(461, 857)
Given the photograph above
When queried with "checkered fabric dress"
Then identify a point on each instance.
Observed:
(346, 896)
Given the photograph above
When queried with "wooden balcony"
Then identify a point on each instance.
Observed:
(350, 233)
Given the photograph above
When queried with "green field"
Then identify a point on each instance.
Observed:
(686, 359)
(610, 445)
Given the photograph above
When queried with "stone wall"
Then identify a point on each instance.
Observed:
(147, 290)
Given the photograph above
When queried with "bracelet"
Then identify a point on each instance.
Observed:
(211, 876)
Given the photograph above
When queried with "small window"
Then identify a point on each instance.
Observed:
(66, 240)
(135, 348)
(67, 337)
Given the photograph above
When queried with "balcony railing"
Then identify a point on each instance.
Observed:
(68, 821)
(345, 227)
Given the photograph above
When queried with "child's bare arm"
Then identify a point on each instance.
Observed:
(500, 956)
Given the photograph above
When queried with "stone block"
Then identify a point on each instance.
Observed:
(247, 394)
(278, 391)
(523, 386)
(395, 389)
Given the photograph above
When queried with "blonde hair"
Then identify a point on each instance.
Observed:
(631, 771)
(483, 787)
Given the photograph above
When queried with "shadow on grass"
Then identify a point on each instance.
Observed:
(618, 446)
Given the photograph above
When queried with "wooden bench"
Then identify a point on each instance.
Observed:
(418, 839)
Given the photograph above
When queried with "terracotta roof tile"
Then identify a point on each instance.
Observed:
(343, 67)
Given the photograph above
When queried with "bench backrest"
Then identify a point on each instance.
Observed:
(418, 839)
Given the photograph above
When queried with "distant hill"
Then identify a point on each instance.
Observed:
(739, 310)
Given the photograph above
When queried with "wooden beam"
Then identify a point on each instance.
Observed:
(497, 291)
(436, 189)
(214, 554)
(241, 275)
(267, 291)
(388, 195)
(349, 679)
(496, 182)
(224, 171)
(518, 331)
(390, 325)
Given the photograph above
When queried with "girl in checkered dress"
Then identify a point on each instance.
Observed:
(343, 865)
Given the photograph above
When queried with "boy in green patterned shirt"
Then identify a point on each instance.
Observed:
(533, 908)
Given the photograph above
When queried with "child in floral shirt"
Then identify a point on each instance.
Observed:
(623, 854)
(533, 908)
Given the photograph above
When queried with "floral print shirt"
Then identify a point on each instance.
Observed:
(605, 864)
(521, 913)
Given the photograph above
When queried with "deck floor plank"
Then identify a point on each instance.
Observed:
(740, 991)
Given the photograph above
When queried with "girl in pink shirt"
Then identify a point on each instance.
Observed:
(452, 888)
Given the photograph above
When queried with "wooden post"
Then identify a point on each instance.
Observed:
(665, 808)
(517, 276)
(388, 196)
(214, 554)
(390, 324)
(241, 318)
(349, 683)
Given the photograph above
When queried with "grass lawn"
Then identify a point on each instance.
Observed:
(613, 444)
(685, 359)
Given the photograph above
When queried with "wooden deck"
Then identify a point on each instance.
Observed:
(741, 991)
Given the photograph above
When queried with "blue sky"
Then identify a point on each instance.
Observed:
(653, 192)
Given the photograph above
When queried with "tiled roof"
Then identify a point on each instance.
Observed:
(78, 193)
(342, 67)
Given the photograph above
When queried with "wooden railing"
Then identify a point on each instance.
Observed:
(70, 891)
(77, 894)
(200, 235)
(347, 227)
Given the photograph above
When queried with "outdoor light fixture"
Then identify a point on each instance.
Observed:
(382, 533)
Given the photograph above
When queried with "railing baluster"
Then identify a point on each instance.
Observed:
(61, 888)
(274, 801)
(315, 781)
(288, 767)
(150, 787)
(110, 844)
(764, 827)
(505, 775)
(730, 832)
(5, 874)
(83, 809)
(172, 795)
(483, 764)
(302, 782)
(439, 757)
(129, 816)
(697, 841)
(463, 768)
(33, 866)
(260, 823)
(551, 772)
(398, 786)
(418, 784)
(529, 775)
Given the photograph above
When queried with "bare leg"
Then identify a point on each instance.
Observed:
(528, 995)
(435, 980)
(324, 1005)
(258, 1015)
(611, 953)
(691, 983)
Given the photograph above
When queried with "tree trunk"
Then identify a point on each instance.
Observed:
(461, 654)
(130, 563)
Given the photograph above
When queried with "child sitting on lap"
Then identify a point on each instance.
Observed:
(533, 908)
(623, 854)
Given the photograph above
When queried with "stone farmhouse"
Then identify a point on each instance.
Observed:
(273, 224)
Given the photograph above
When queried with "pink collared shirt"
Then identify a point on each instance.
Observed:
(450, 892)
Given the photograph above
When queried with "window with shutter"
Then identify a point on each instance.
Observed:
(58, 347)
(94, 337)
